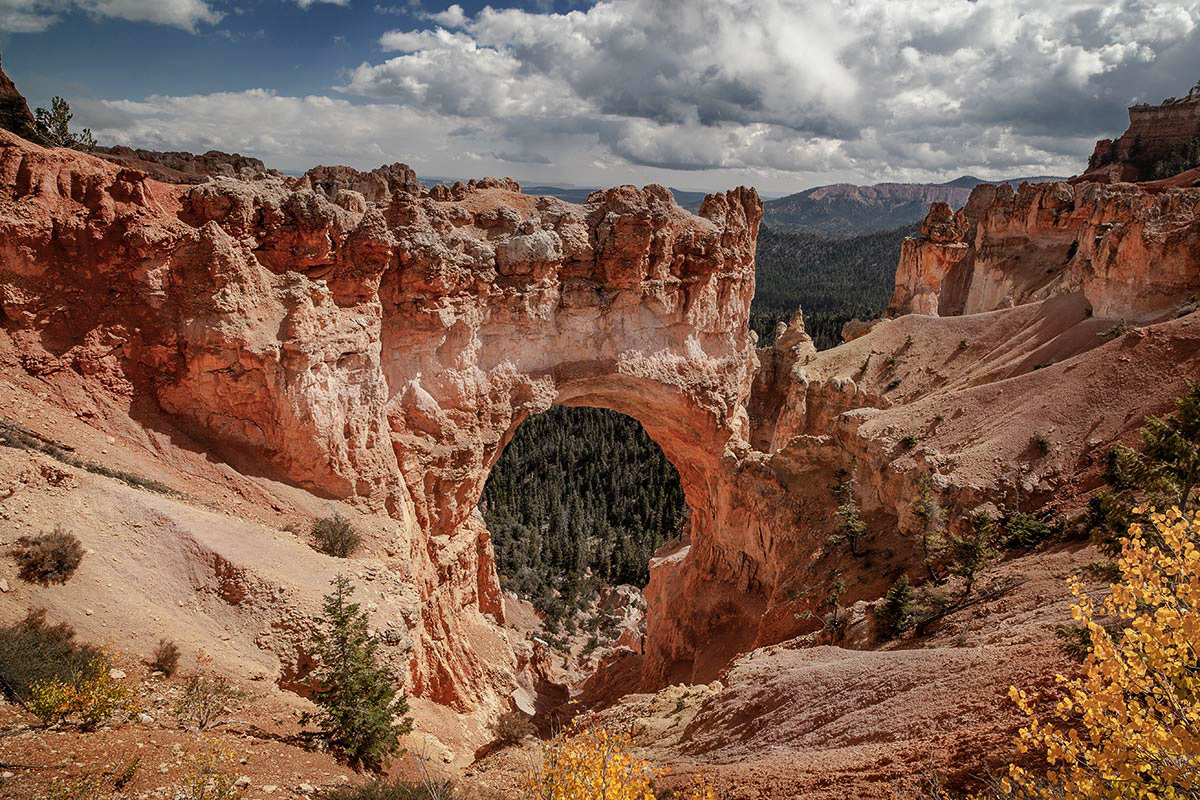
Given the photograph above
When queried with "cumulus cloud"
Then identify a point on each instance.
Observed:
(713, 92)
(34, 16)
(766, 84)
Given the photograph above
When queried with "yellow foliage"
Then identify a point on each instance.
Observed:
(595, 764)
(92, 698)
(210, 775)
(1129, 727)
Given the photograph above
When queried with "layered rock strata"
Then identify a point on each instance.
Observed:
(1132, 250)
(384, 350)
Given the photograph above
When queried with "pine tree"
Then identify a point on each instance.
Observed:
(898, 612)
(1164, 474)
(354, 691)
(974, 549)
(55, 127)
(929, 511)
(851, 527)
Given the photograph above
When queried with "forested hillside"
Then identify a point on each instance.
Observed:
(582, 497)
(833, 280)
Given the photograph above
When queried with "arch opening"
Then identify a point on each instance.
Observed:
(578, 501)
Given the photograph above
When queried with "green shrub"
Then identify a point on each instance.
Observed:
(1074, 640)
(1024, 531)
(34, 652)
(355, 692)
(1041, 443)
(973, 549)
(898, 611)
(50, 558)
(851, 527)
(928, 510)
(335, 536)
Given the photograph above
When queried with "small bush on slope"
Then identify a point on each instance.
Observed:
(166, 657)
(50, 558)
(335, 536)
(207, 700)
(512, 728)
(33, 651)
(1130, 725)
(90, 697)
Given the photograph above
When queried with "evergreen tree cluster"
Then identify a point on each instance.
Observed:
(581, 497)
(833, 280)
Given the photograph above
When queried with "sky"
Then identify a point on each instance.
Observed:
(694, 94)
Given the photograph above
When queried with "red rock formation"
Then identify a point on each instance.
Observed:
(15, 115)
(1132, 250)
(1154, 132)
(176, 167)
(377, 186)
(387, 354)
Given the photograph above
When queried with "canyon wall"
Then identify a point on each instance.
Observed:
(1130, 249)
(1154, 133)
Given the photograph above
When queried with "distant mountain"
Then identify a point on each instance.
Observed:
(577, 194)
(844, 209)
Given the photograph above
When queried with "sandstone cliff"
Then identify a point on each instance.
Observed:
(15, 115)
(177, 167)
(1131, 249)
(1154, 133)
(380, 351)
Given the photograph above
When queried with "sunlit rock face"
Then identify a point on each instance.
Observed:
(363, 339)
(1131, 249)
(353, 335)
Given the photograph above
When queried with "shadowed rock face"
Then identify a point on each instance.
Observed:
(386, 351)
(15, 115)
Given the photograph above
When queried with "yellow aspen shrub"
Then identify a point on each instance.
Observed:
(1129, 726)
(596, 764)
(211, 775)
(92, 698)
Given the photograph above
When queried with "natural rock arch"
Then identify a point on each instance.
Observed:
(384, 351)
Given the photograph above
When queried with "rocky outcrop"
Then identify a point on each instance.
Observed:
(1133, 250)
(1155, 132)
(350, 335)
(186, 168)
(15, 115)
(378, 186)
(386, 354)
